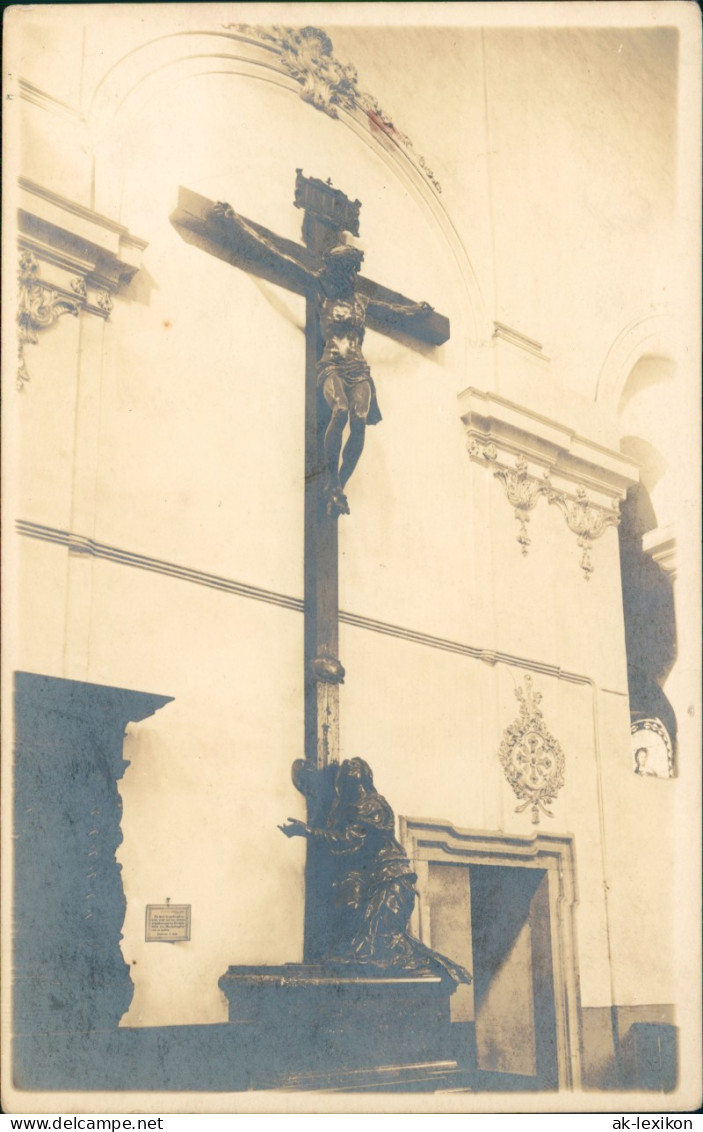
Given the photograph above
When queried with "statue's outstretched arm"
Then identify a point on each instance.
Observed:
(295, 828)
(407, 310)
(226, 210)
(346, 840)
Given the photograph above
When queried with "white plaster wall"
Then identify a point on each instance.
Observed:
(208, 784)
(547, 140)
(42, 423)
(583, 125)
(645, 851)
(35, 622)
(199, 416)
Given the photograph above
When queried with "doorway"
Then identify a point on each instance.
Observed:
(513, 977)
(503, 907)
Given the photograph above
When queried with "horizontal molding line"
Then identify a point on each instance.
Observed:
(80, 544)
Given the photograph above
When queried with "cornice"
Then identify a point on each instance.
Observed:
(80, 210)
(76, 238)
(551, 445)
(72, 261)
(521, 341)
(533, 456)
(433, 840)
(660, 545)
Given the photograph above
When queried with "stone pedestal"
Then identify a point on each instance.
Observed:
(322, 1026)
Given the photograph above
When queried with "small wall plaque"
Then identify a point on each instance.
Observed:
(167, 923)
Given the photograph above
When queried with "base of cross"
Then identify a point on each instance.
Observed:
(316, 1026)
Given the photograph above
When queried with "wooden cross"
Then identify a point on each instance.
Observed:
(328, 213)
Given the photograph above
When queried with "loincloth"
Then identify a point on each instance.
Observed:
(350, 372)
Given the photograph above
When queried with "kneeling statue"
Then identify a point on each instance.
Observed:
(375, 882)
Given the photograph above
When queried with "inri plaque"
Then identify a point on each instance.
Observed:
(167, 923)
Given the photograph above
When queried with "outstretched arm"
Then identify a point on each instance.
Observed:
(227, 212)
(405, 310)
(393, 314)
(346, 840)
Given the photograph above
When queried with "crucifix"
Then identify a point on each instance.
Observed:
(340, 400)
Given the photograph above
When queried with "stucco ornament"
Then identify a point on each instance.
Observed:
(79, 288)
(38, 308)
(522, 491)
(587, 520)
(306, 54)
(531, 757)
(479, 451)
(326, 83)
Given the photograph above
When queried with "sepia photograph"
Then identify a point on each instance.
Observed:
(351, 558)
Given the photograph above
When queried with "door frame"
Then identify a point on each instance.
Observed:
(440, 842)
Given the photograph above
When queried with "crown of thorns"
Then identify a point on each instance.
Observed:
(345, 251)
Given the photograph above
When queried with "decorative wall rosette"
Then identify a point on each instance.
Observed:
(532, 759)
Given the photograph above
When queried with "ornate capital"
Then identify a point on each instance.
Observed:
(72, 259)
(522, 491)
(104, 301)
(532, 759)
(481, 451)
(586, 520)
(306, 54)
(38, 308)
(78, 286)
(535, 456)
(41, 302)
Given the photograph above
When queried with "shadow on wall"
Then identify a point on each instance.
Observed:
(648, 607)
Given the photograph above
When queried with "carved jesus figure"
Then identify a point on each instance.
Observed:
(343, 375)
